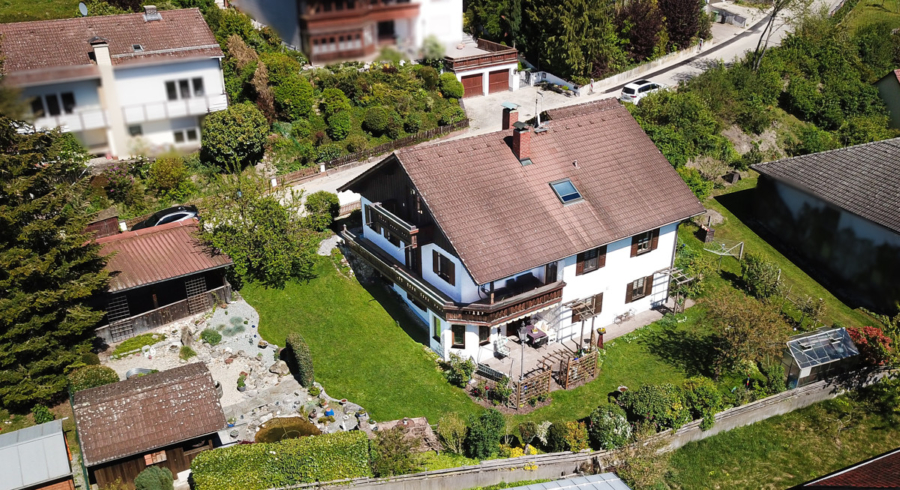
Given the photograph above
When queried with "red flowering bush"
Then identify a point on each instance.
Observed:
(874, 346)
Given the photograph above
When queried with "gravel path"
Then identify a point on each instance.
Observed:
(328, 244)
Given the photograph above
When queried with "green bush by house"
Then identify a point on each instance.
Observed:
(266, 465)
(91, 377)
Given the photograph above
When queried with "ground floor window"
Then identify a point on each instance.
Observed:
(459, 336)
(436, 329)
(135, 130)
(484, 335)
(186, 135)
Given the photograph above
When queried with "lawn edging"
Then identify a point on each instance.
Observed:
(557, 465)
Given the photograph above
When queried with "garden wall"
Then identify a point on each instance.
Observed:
(558, 465)
(627, 76)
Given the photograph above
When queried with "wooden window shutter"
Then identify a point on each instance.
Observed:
(451, 273)
(601, 259)
(629, 291)
(579, 264)
(435, 261)
(598, 304)
(634, 246)
(369, 215)
(654, 239)
(648, 285)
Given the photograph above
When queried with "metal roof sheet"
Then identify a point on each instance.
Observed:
(33, 455)
(603, 481)
(157, 254)
(822, 347)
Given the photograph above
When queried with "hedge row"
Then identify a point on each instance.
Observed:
(302, 359)
(265, 465)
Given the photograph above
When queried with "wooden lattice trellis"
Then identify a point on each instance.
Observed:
(580, 369)
(532, 387)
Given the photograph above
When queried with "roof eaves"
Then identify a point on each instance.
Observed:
(367, 173)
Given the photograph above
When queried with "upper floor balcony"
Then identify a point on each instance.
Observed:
(517, 298)
(485, 53)
(336, 13)
(77, 120)
(168, 109)
(377, 215)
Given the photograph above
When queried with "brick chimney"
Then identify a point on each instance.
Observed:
(522, 141)
(510, 117)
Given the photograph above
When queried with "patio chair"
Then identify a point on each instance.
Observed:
(544, 327)
(500, 347)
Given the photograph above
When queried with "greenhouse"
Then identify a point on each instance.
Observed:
(811, 357)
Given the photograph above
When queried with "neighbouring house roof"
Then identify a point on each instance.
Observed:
(504, 218)
(56, 50)
(603, 481)
(145, 413)
(863, 179)
(157, 254)
(879, 472)
(821, 347)
(33, 455)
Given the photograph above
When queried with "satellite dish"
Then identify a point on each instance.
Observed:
(82, 8)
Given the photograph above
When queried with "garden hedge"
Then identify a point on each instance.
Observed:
(266, 465)
(91, 377)
(302, 359)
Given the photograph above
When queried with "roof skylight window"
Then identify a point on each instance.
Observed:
(137, 48)
(566, 191)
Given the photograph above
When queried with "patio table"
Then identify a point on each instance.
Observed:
(537, 337)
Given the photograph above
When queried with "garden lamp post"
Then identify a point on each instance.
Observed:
(522, 333)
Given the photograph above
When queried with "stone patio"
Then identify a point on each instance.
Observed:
(512, 365)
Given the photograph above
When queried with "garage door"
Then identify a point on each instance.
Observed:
(498, 81)
(472, 84)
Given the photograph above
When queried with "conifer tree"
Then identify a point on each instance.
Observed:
(48, 270)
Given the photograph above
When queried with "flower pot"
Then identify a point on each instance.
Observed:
(343, 401)
(242, 388)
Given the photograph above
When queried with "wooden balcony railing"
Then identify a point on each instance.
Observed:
(478, 313)
(406, 232)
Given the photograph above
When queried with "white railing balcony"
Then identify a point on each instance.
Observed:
(79, 120)
(169, 109)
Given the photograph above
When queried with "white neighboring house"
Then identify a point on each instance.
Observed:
(123, 84)
(484, 234)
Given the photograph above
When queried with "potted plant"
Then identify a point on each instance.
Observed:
(242, 386)
(323, 402)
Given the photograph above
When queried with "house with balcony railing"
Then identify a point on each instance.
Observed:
(483, 67)
(571, 222)
(123, 84)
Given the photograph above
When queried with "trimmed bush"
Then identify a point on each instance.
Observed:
(452, 114)
(265, 465)
(91, 377)
(329, 152)
(42, 414)
(458, 370)
(704, 400)
(576, 436)
(322, 208)
(451, 88)
(90, 359)
(661, 405)
(339, 125)
(334, 101)
(167, 172)
(211, 336)
(236, 135)
(609, 427)
(300, 129)
(377, 120)
(413, 123)
(556, 438)
(154, 478)
(356, 143)
(483, 437)
(302, 359)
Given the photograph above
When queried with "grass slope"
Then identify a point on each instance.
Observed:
(361, 350)
(25, 10)
(869, 12)
(783, 451)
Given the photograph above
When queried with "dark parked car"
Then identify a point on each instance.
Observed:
(170, 215)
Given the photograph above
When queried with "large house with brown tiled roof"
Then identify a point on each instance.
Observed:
(574, 220)
(837, 214)
(160, 419)
(123, 84)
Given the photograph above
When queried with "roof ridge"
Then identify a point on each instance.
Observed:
(148, 231)
(890, 141)
(89, 17)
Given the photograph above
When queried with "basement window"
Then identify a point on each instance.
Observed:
(566, 191)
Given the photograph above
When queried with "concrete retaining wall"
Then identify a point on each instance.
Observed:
(627, 76)
(558, 465)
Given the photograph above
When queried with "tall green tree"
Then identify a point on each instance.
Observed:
(259, 227)
(48, 269)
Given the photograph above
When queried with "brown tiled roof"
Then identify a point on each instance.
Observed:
(60, 49)
(157, 254)
(862, 179)
(145, 413)
(879, 472)
(504, 218)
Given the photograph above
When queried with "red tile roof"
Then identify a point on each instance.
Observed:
(145, 413)
(879, 472)
(60, 49)
(504, 218)
(157, 254)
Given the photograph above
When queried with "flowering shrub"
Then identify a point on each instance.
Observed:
(874, 346)
(576, 436)
(609, 427)
(118, 183)
(661, 405)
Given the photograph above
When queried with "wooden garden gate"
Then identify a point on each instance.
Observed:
(198, 300)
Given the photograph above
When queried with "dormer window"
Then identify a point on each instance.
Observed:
(137, 48)
(566, 191)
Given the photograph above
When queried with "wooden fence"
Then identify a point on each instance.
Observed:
(346, 160)
(531, 388)
(580, 369)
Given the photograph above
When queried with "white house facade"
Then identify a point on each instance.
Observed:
(125, 84)
(484, 235)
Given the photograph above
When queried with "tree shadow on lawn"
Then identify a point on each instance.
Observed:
(690, 351)
(393, 306)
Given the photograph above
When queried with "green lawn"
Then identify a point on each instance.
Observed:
(783, 451)
(24, 10)
(869, 12)
(364, 346)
